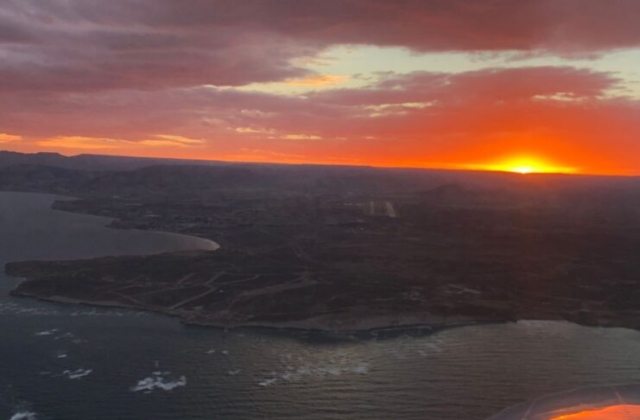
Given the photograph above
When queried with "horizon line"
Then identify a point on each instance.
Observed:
(347, 165)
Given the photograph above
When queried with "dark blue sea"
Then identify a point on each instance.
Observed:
(78, 363)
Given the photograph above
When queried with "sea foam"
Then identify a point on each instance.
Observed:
(45, 333)
(24, 415)
(77, 374)
(158, 380)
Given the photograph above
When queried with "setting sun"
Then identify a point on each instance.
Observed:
(523, 170)
(526, 165)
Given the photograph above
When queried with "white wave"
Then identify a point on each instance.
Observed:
(234, 372)
(62, 356)
(11, 308)
(57, 335)
(435, 347)
(24, 415)
(268, 382)
(331, 370)
(77, 374)
(105, 313)
(24, 309)
(320, 371)
(101, 312)
(361, 369)
(225, 352)
(158, 381)
(46, 333)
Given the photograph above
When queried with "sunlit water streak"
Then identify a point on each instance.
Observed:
(75, 363)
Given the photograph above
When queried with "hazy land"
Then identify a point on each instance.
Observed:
(342, 248)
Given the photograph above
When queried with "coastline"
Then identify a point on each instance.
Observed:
(332, 324)
(320, 324)
(337, 322)
(112, 223)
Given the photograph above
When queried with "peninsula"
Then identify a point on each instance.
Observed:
(345, 249)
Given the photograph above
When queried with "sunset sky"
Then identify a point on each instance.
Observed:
(520, 85)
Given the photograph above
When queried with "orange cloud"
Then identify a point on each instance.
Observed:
(98, 143)
(316, 81)
(301, 137)
(7, 138)
(495, 119)
(165, 140)
(80, 143)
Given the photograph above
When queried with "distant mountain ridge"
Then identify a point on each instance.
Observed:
(174, 180)
(87, 162)
(116, 175)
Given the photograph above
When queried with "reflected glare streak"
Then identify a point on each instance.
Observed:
(618, 412)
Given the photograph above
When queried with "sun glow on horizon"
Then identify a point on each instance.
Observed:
(523, 170)
(524, 165)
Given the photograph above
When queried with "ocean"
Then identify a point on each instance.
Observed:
(61, 362)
